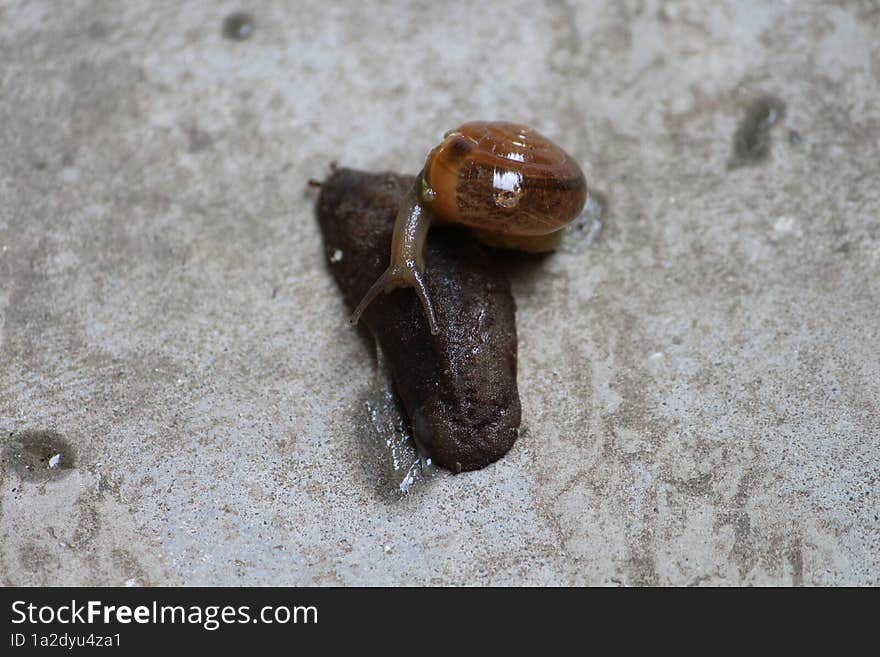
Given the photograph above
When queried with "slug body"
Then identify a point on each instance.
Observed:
(512, 186)
(458, 387)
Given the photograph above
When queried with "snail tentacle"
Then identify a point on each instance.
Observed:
(389, 280)
(407, 262)
(425, 298)
(395, 277)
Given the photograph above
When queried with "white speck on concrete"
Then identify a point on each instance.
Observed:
(785, 225)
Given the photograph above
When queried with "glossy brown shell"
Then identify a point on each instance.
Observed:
(503, 178)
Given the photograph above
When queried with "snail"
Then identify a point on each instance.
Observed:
(510, 185)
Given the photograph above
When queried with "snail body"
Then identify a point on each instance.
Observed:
(508, 183)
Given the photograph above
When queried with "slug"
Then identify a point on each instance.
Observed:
(458, 388)
(508, 183)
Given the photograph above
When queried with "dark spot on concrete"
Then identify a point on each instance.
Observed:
(641, 568)
(39, 165)
(795, 138)
(751, 142)
(88, 522)
(698, 486)
(795, 556)
(67, 160)
(737, 516)
(98, 30)
(277, 103)
(199, 140)
(38, 456)
(34, 558)
(238, 26)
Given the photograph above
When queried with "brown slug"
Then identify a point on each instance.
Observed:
(508, 183)
(458, 387)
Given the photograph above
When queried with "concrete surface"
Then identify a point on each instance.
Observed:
(699, 387)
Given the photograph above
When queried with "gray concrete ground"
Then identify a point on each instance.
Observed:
(699, 387)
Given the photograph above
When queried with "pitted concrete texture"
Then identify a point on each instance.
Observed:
(699, 387)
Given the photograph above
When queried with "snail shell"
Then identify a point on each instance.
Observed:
(503, 178)
(514, 187)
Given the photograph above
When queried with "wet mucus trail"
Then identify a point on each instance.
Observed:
(458, 387)
(583, 232)
(385, 438)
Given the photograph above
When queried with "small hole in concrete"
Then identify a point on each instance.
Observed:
(238, 26)
(38, 455)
